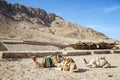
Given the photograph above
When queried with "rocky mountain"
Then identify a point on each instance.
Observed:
(21, 22)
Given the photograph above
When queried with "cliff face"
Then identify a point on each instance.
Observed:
(19, 13)
(21, 22)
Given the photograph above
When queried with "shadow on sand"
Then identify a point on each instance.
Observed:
(13, 59)
(113, 66)
(82, 70)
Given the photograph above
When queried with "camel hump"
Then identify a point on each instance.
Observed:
(33, 58)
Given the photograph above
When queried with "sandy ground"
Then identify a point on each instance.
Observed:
(24, 69)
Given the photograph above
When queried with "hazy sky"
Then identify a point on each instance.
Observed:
(100, 15)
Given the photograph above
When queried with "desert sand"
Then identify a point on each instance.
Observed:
(24, 69)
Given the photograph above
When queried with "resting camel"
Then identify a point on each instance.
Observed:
(63, 64)
(48, 61)
(98, 62)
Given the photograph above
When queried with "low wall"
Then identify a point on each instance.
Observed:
(2, 47)
(28, 54)
(102, 52)
(76, 53)
(36, 43)
(116, 51)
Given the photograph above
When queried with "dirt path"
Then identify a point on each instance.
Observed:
(24, 69)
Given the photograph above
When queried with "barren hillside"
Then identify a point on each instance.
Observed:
(21, 22)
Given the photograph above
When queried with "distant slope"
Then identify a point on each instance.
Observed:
(21, 22)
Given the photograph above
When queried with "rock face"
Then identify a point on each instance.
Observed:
(19, 13)
(21, 22)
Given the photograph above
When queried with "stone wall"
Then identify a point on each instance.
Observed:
(2, 47)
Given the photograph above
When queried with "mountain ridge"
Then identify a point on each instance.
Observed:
(21, 22)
